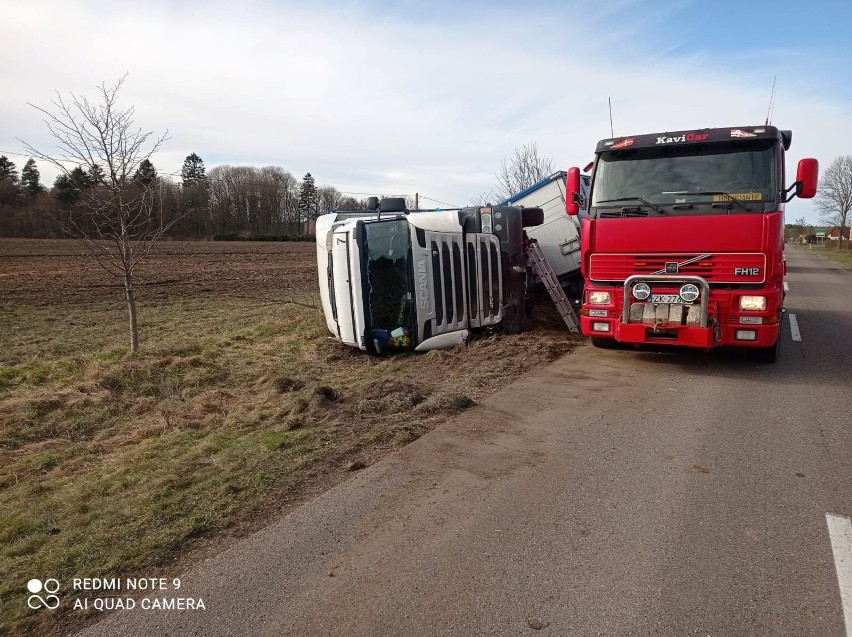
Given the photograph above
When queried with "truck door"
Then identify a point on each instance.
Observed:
(342, 290)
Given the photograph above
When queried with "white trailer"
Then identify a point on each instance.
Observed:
(559, 235)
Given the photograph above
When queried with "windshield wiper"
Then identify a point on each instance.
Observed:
(721, 204)
(644, 201)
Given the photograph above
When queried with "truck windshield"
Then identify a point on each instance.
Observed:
(723, 175)
(389, 274)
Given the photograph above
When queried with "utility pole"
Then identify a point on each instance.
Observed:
(417, 201)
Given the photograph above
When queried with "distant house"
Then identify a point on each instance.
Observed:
(833, 234)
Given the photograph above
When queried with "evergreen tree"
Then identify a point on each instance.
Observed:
(8, 181)
(30, 177)
(308, 198)
(67, 188)
(195, 195)
(193, 171)
(8, 170)
(96, 175)
(146, 174)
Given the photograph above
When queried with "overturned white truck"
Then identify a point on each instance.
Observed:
(390, 279)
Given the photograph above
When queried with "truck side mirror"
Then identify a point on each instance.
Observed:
(806, 178)
(572, 191)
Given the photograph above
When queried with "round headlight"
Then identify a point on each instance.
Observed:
(689, 292)
(641, 291)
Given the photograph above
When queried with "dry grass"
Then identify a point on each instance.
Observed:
(113, 464)
(841, 257)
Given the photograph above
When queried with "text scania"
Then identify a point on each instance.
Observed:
(691, 137)
(422, 285)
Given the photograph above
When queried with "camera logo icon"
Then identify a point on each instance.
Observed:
(50, 600)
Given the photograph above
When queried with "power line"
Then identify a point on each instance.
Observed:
(443, 203)
(10, 152)
(370, 194)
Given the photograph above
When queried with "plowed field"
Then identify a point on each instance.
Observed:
(48, 271)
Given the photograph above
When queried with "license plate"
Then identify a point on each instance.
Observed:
(666, 298)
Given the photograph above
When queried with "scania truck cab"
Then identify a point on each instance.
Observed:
(390, 279)
(682, 241)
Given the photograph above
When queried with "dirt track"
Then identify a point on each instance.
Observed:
(44, 272)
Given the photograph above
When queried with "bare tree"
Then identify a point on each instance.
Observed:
(521, 170)
(328, 199)
(834, 198)
(483, 199)
(113, 215)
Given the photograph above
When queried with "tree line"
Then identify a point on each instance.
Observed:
(116, 204)
(224, 201)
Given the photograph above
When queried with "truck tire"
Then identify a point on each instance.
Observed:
(604, 343)
(532, 217)
(392, 204)
(766, 354)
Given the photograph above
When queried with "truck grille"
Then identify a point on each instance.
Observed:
(466, 280)
(726, 267)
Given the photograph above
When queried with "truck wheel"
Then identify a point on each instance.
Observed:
(604, 343)
(767, 354)
(532, 217)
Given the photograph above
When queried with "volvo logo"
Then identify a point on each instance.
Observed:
(673, 267)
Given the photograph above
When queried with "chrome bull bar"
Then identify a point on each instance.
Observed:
(704, 304)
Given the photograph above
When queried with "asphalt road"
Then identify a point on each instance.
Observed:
(611, 493)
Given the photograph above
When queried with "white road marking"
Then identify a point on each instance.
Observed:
(794, 328)
(786, 286)
(840, 532)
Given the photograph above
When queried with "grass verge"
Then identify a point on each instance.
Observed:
(113, 465)
(841, 257)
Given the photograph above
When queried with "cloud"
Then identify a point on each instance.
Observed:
(401, 98)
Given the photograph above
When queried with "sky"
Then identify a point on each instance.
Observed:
(380, 97)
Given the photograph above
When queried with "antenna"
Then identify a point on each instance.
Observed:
(611, 132)
(771, 102)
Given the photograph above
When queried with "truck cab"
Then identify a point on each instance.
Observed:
(682, 241)
(390, 279)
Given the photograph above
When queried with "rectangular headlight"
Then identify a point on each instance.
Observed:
(486, 223)
(600, 327)
(753, 303)
(599, 298)
(745, 335)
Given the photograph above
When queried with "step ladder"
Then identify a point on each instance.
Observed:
(545, 272)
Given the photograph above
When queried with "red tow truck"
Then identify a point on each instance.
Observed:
(682, 238)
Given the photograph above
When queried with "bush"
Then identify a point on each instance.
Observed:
(833, 245)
